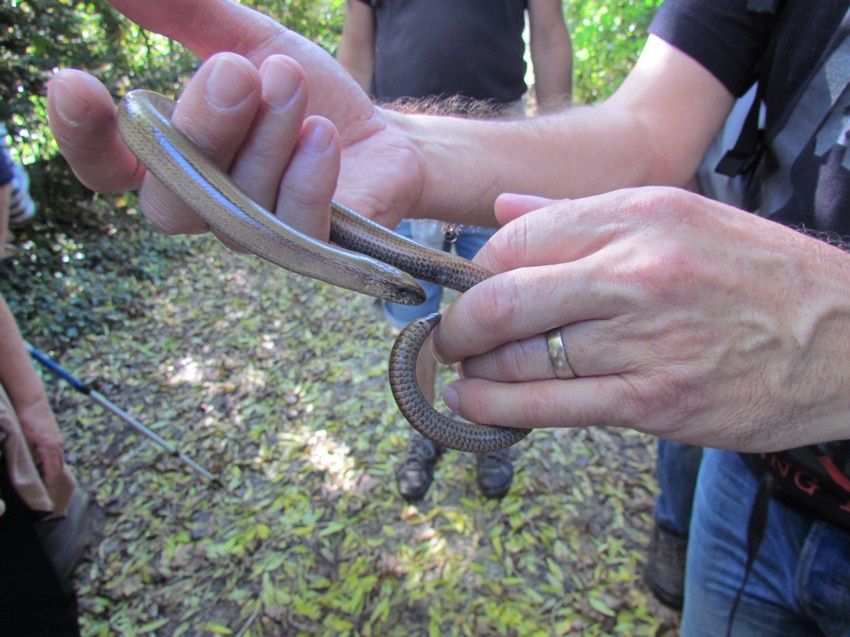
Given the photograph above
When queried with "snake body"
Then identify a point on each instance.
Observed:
(369, 258)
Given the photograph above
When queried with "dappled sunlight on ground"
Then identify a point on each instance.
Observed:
(184, 371)
(333, 457)
(278, 384)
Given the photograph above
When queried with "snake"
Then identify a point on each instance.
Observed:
(362, 256)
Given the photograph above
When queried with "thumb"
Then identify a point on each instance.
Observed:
(510, 205)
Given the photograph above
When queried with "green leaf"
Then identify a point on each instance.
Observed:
(601, 606)
(217, 629)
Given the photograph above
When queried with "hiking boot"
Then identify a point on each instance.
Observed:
(665, 567)
(416, 472)
(495, 473)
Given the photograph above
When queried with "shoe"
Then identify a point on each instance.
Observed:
(416, 472)
(65, 539)
(665, 567)
(495, 473)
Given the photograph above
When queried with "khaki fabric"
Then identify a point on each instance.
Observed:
(23, 474)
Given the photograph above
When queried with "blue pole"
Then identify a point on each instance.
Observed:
(104, 402)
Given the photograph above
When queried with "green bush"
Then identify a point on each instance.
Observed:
(607, 36)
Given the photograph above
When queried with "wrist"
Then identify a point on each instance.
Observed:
(823, 331)
(451, 188)
(32, 408)
(417, 134)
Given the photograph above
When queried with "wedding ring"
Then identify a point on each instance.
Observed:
(558, 354)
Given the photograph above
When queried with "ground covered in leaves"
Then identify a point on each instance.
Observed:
(278, 384)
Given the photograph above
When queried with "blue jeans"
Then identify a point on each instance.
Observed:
(469, 241)
(800, 582)
(678, 465)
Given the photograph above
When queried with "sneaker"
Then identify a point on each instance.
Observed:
(416, 472)
(495, 473)
(665, 567)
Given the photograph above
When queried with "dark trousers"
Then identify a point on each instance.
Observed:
(33, 599)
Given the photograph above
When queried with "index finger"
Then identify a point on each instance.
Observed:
(566, 230)
(522, 303)
(212, 26)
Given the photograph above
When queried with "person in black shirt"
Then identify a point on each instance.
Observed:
(448, 49)
(679, 316)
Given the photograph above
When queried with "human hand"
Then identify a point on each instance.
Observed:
(42, 434)
(681, 317)
(246, 109)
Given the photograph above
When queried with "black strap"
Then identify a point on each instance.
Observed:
(744, 155)
(746, 152)
(755, 535)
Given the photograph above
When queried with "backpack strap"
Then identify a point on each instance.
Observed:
(756, 526)
(744, 155)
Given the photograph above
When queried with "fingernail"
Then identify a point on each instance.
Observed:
(69, 105)
(281, 84)
(450, 398)
(228, 84)
(319, 137)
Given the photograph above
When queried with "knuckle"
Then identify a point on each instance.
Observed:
(473, 404)
(164, 226)
(265, 157)
(509, 361)
(540, 409)
(657, 203)
(169, 214)
(668, 271)
(506, 250)
(207, 140)
(639, 408)
(174, 223)
(498, 301)
(300, 199)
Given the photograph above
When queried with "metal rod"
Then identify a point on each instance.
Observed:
(107, 404)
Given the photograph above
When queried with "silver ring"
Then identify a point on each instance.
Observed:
(558, 355)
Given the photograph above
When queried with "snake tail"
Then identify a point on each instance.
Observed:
(446, 432)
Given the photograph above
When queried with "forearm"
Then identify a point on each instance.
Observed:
(17, 375)
(357, 47)
(652, 131)
(359, 63)
(571, 154)
(552, 59)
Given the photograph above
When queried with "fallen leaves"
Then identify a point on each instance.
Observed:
(278, 383)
